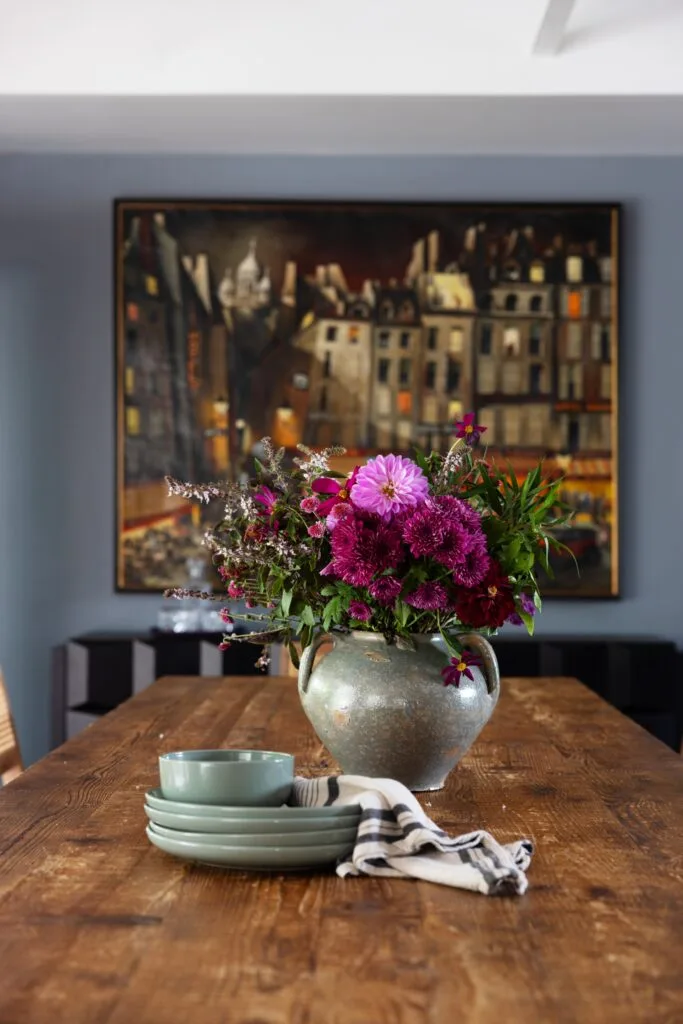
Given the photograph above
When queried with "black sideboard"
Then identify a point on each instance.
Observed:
(641, 676)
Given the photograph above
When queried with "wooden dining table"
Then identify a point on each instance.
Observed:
(96, 925)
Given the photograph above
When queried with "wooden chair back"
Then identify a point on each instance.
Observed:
(10, 756)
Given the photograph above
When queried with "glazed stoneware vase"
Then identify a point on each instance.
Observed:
(385, 712)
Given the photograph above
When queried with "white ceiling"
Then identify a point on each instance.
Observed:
(448, 76)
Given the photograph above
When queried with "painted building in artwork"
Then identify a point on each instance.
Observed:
(340, 380)
(396, 368)
(583, 399)
(514, 364)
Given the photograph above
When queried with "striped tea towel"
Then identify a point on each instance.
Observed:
(396, 838)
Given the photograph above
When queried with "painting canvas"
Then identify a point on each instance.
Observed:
(374, 326)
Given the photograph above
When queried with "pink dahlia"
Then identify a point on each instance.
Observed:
(385, 590)
(388, 484)
(429, 596)
(360, 611)
(235, 591)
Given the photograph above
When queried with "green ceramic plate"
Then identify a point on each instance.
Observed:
(338, 835)
(155, 799)
(289, 823)
(274, 858)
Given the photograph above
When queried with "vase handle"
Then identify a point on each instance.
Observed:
(306, 663)
(489, 661)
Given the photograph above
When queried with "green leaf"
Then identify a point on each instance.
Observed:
(307, 616)
(524, 561)
(328, 591)
(528, 621)
(404, 612)
(286, 602)
(294, 655)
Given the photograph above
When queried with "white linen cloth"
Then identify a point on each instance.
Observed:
(396, 838)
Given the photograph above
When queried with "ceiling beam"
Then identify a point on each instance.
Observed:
(550, 35)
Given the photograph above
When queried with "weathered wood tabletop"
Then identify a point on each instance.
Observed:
(96, 925)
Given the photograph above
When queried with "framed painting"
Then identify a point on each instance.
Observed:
(371, 325)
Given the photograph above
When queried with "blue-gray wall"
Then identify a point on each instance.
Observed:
(56, 375)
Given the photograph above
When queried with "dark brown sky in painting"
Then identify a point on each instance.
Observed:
(368, 241)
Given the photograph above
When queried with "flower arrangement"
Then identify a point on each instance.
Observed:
(430, 544)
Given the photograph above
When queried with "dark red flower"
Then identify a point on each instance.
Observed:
(467, 429)
(489, 603)
(459, 667)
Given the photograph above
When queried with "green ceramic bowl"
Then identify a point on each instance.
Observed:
(240, 778)
(155, 798)
(290, 823)
(255, 841)
(271, 858)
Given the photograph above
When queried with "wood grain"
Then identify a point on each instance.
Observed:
(98, 926)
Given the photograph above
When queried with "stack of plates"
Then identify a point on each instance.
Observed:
(251, 838)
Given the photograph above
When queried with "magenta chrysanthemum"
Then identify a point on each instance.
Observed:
(471, 571)
(363, 546)
(389, 483)
(430, 596)
(316, 529)
(385, 590)
(423, 530)
(455, 545)
(360, 611)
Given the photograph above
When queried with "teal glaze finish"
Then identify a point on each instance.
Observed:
(239, 778)
(385, 713)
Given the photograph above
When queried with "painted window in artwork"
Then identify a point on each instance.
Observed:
(605, 345)
(487, 417)
(574, 341)
(384, 339)
(606, 382)
(573, 433)
(456, 410)
(404, 340)
(535, 303)
(456, 341)
(383, 401)
(606, 302)
(574, 269)
(430, 374)
(535, 339)
(486, 376)
(404, 368)
(132, 420)
(535, 426)
(331, 333)
(322, 405)
(354, 334)
(430, 409)
(432, 338)
(130, 380)
(404, 403)
(512, 423)
(511, 378)
(404, 432)
(383, 367)
(512, 342)
(511, 302)
(574, 304)
(327, 365)
(535, 379)
(454, 375)
(486, 339)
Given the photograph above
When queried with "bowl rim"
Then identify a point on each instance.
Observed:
(270, 756)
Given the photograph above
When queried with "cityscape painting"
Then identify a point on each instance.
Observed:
(374, 326)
